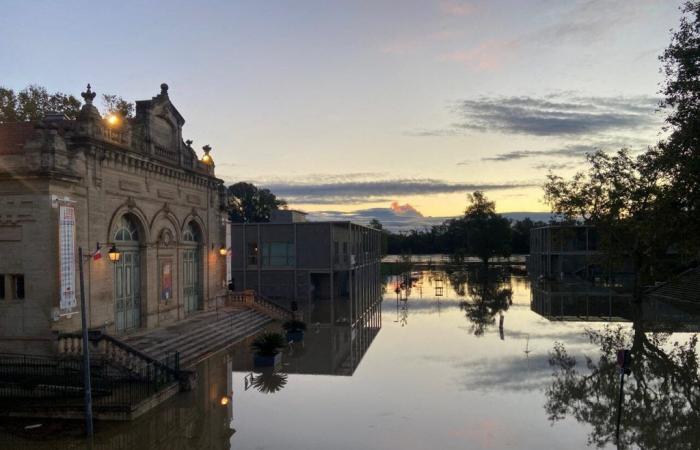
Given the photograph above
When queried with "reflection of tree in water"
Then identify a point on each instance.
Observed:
(489, 294)
(662, 395)
(269, 381)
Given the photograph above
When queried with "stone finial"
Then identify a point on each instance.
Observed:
(188, 142)
(163, 89)
(206, 159)
(88, 95)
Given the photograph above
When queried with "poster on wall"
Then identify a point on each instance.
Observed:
(166, 280)
(66, 242)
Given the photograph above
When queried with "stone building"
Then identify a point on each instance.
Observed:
(132, 184)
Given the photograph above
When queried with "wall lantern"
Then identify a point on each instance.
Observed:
(223, 251)
(224, 401)
(114, 254)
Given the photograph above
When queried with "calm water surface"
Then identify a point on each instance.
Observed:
(452, 362)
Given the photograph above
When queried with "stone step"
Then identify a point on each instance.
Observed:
(142, 342)
(217, 335)
(210, 347)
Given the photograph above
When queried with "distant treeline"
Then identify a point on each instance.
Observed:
(480, 232)
(449, 236)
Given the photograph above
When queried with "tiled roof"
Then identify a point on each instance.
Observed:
(14, 135)
(685, 288)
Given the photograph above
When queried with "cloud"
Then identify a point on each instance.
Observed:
(554, 166)
(487, 56)
(577, 150)
(592, 20)
(557, 115)
(378, 190)
(405, 210)
(456, 8)
(391, 218)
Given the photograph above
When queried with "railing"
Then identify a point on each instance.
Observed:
(30, 382)
(258, 302)
(118, 352)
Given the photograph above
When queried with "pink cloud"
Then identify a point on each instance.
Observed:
(456, 8)
(405, 209)
(487, 56)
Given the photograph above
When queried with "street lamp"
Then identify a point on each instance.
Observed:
(114, 257)
(114, 254)
(223, 251)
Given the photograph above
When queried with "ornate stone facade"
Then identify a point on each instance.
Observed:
(134, 184)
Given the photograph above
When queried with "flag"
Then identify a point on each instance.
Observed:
(98, 253)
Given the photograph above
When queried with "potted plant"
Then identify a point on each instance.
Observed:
(295, 330)
(266, 348)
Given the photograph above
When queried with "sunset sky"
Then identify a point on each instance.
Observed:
(352, 106)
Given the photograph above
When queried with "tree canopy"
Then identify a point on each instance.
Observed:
(679, 154)
(33, 102)
(248, 203)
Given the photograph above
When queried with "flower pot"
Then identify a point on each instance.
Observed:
(295, 336)
(267, 361)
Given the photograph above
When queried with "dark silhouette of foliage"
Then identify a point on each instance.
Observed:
(114, 104)
(33, 102)
(489, 295)
(268, 344)
(269, 381)
(679, 154)
(248, 203)
(662, 394)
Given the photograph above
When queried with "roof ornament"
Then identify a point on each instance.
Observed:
(88, 95)
(206, 159)
(164, 89)
(188, 142)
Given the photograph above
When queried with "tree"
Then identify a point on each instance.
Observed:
(662, 394)
(247, 203)
(520, 240)
(33, 102)
(114, 104)
(376, 224)
(679, 154)
(622, 196)
(482, 232)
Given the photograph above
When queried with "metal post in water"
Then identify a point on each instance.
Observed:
(86, 351)
(619, 407)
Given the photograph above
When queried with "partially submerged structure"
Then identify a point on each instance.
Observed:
(308, 265)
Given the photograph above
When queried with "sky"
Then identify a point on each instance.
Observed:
(393, 109)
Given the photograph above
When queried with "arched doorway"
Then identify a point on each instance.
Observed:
(127, 276)
(192, 267)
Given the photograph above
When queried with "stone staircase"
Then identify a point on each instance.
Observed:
(200, 336)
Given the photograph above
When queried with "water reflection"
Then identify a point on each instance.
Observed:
(661, 395)
(490, 295)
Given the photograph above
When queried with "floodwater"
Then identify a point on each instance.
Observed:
(466, 360)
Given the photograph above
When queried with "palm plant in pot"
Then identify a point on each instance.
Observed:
(295, 330)
(266, 348)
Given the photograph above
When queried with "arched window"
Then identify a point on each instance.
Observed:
(126, 230)
(191, 233)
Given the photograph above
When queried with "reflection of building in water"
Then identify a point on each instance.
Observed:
(199, 419)
(585, 302)
(322, 266)
(331, 346)
(579, 302)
